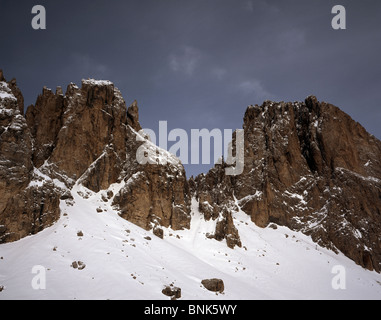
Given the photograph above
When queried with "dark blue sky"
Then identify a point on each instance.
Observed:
(200, 63)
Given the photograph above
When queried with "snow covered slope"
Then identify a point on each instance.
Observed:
(124, 261)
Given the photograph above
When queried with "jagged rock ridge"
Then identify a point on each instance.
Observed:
(308, 166)
(28, 203)
(86, 136)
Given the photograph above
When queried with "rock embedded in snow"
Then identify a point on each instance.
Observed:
(216, 202)
(173, 292)
(214, 285)
(225, 229)
(78, 265)
(158, 232)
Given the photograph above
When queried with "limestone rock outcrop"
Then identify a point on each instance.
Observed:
(88, 136)
(45, 120)
(155, 193)
(310, 167)
(12, 85)
(307, 166)
(27, 205)
(215, 194)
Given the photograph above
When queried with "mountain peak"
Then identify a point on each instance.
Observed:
(2, 76)
(99, 83)
(308, 167)
(16, 92)
(133, 116)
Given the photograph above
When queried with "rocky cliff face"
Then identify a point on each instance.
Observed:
(45, 121)
(86, 136)
(27, 203)
(215, 194)
(310, 167)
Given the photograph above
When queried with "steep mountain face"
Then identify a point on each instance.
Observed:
(45, 121)
(310, 167)
(27, 203)
(81, 129)
(87, 136)
(215, 194)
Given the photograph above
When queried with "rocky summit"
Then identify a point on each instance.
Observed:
(86, 136)
(308, 166)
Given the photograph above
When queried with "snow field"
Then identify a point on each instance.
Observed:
(123, 263)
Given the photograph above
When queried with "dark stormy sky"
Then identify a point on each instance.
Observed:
(199, 63)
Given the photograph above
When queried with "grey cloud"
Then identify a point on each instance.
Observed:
(88, 66)
(219, 73)
(186, 61)
(255, 89)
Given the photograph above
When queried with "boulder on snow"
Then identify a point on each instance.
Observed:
(78, 265)
(173, 292)
(214, 285)
(158, 232)
(273, 226)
